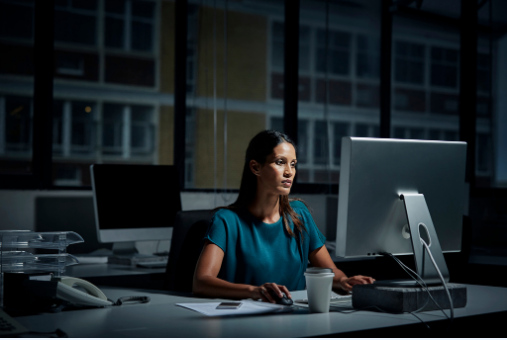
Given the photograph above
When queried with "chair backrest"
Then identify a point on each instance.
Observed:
(186, 245)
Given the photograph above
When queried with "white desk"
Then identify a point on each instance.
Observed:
(161, 318)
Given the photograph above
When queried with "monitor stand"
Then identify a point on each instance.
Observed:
(125, 248)
(126, 253)
(421, 226)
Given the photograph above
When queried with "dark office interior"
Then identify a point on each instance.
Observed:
(188, 83)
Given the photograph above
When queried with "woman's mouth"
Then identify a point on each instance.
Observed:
(287, 183)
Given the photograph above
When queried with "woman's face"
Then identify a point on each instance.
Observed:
(276, 175)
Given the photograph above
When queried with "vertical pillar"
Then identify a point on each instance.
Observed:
(386, 34)
(180, 87)
(291, 69)
(42, 160)
(468, 84)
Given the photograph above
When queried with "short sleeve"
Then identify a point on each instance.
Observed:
(217, 233)
(316, 238)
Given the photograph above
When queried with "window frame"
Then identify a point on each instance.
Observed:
(42, 140)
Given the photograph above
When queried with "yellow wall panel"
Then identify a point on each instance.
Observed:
(167, 47)
(241, 127)
(246, 55)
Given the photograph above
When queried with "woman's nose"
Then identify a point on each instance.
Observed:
(288, 171)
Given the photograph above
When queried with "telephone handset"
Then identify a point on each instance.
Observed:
(66, 291)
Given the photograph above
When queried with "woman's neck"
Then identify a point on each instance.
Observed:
(266, 207)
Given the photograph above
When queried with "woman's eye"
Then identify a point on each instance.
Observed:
(279, 162)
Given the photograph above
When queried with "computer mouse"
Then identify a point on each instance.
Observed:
(281, 300)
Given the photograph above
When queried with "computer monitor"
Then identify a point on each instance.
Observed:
(134, 203)
(379, 181)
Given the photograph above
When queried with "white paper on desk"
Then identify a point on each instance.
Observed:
(248, 307)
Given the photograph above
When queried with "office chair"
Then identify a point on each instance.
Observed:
(186, 245)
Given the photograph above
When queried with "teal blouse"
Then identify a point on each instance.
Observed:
(256, 252)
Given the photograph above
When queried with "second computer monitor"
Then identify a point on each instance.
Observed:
(134, 203)
(374, 173)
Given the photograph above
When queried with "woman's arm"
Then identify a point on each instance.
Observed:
(207, 284)
(320, 258)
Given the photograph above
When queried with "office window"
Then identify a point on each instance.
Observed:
(82, 128)
(142, 130)
(483, 164)
(277, 45)
(451, 135)
(76, 21)
(68, 175)
(444, 67)
(434, 134)
(416, 133)
(129, 24)
(58, 128)
(339, 52)
(192, 48)
(344, 79)
(16, 67)
(302, 146)
(16, 19)
(340, 130)
(483, 73)
(112, 129)
(17, 133)
(249, 72)
(320, 143)
(368, 57)
(277, 61)
(399, 133)
(362, 130)
(409, 62)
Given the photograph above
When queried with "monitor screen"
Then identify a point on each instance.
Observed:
(135, 202)
(374, 172)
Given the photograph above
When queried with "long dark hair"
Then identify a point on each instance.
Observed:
(259, 148)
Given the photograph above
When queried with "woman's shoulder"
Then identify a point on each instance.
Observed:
(299, 205)
(225, 214)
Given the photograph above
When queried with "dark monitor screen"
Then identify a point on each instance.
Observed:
(130, 197)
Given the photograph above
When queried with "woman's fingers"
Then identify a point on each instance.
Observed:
(267, 295)
(286, 291)
(346, 286)
(359, 279)
(277, 289)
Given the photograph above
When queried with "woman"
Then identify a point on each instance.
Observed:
(264, 237)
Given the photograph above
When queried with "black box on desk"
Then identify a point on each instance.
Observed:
(407, 299)
(19, 297)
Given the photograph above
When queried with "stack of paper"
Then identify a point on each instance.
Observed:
(247, 307)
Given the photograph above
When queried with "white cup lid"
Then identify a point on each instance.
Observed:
(319, 271)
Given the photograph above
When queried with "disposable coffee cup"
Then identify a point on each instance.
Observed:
(319, 282)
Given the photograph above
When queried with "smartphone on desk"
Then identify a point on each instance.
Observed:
(229, 305)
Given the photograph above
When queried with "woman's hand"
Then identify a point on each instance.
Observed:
(262, 292)
(347, 283)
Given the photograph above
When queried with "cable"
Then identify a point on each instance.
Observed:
(426, 287)
(424, 323)
(423, 284)
(441, 279)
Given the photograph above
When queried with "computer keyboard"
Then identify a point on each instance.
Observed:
(10, 327)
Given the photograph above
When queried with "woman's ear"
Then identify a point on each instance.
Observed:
(255, 167)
